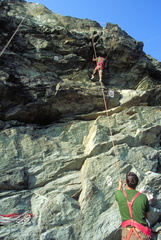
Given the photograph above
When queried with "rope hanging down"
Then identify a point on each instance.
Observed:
(5, 47)
(111, 133)
(107, 115)
(95, 54)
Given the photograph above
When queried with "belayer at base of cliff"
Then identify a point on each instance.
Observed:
(134, 210)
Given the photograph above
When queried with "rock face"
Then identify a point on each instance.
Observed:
(65, 142)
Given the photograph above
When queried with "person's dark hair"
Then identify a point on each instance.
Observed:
(132, 180)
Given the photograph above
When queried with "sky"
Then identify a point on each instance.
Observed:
(141, 19)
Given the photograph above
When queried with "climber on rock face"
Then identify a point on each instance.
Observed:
(101, 64)
(134, 210)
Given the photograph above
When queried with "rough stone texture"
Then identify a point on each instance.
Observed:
(60, 149)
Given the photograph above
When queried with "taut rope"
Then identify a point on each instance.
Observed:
(106, 109)
(5, 47)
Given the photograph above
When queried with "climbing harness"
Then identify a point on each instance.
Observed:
(134, 225)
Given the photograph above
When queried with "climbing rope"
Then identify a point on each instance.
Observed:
(95, 54)
(15, 218)
(107, 115)
(111, 45)
(111, 133)
(5, 47)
